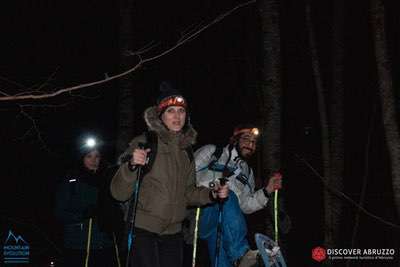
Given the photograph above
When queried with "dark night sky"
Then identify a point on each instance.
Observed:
(67, 43)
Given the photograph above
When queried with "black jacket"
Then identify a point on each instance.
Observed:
(82, 195)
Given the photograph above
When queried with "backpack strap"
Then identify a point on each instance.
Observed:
(190, 154)
(216, 155)
(152, 143)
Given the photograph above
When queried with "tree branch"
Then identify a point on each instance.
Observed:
(184, 39)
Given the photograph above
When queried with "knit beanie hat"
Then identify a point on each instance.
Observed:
(169, 96)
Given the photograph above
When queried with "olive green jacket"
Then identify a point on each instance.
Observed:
(169, 187)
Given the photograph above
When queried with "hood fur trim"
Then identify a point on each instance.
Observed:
(154, 123)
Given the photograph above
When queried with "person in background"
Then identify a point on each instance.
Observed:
(83, 206)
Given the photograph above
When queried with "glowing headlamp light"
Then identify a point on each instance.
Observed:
(255, 131)
(90, 142)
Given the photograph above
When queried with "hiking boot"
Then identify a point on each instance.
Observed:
(249, 259)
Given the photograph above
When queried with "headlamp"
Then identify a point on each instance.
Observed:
(171, 101)
(90, 142)
(253, 131)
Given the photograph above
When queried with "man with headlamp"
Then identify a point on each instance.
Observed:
(230, 162)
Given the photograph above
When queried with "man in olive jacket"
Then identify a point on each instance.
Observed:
(167, 188)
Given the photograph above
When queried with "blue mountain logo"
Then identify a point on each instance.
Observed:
(15, 249)
(17, 239)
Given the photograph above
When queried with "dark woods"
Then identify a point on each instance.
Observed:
(319, 77)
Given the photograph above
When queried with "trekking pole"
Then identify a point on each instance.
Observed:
(132, 211)
(116, 250)
(196, 230)
(276, 215)
(89, 239)
(222, 182)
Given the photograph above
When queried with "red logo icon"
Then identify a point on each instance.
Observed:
(319, 254)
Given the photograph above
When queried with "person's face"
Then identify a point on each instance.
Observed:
(174, 118)
(247, 145)
(92, 160)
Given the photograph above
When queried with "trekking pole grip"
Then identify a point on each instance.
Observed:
(141, 146)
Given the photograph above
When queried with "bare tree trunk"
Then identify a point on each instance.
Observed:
(126, 97)
(390, 124)
(362, 194)
(271, 106)
(271, 86)
(331, 208)
(336, 115)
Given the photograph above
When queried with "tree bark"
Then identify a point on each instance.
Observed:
(330, 157)
(271, 104)
(271, 85)
(126, 110)
(336, 117)
(390, 123)
(125, 99)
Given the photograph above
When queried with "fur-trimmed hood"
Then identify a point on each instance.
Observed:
(187, 138)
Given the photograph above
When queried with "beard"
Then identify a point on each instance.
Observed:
(244, 152)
